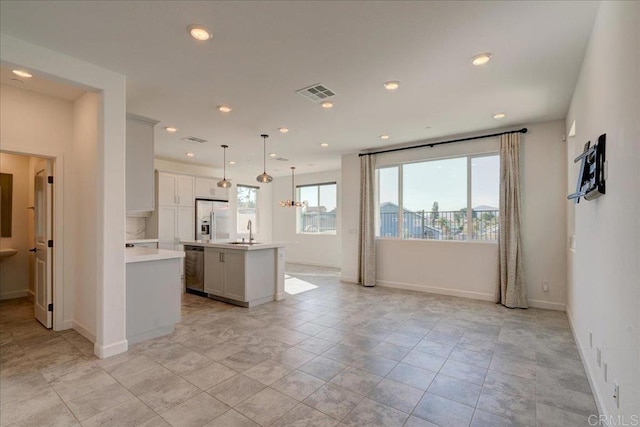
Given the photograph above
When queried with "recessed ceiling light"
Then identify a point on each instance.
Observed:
(384, 136)
(324, 144)
(199, 32)
(273, 155)
(224, 108)
(22, 73)
(391, 85)
(283, 130)
(171, 129)
(481, 58)
(189, 154)
(327, 104)
(499, 115)
(231, 162)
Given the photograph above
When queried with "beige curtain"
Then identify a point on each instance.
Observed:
(512, 292)
(367, 229)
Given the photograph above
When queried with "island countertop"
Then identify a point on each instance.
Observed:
(141, 254)
(238, 246)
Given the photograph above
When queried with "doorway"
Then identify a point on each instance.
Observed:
(26, 239)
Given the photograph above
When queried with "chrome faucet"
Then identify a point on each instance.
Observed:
(249, 227)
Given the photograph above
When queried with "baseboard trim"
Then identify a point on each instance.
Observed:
(597, 394)
(436, 290)
(82, 330)
(548, 305)
(347, 279)
(14, 294)
(103, 351)
(66, 324)
(315, 264)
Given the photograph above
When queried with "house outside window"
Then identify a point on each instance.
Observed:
(319, 214)
(444, 199)
(246, 208)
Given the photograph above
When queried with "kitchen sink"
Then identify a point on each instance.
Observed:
(244, 243)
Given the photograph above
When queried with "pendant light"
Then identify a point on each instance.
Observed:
(292, 203)
(264, 177)
(224, 183)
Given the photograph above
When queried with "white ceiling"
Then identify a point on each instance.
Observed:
(262, 52)
(40, 85)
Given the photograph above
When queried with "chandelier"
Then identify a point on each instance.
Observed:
(292, 203)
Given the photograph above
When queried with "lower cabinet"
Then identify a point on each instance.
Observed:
(245, 277)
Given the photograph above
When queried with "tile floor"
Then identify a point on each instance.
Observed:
(331, 354)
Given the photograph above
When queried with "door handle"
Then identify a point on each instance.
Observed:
(34, 250)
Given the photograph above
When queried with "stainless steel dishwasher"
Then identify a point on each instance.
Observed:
(194, 268)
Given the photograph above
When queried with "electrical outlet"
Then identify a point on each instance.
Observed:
(545, 285)
(605, 371)
(599, 357)
(616, 394)
(590, 339)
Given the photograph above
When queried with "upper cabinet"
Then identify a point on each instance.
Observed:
(207, 188)
(175, 189)
(139, 164)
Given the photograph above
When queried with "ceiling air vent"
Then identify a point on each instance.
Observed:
(282, 159)
(194, 139)
(316, 93)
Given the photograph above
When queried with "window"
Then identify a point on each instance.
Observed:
(247, 208)
(318, 215)
(444, 199)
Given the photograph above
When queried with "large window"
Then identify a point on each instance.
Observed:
(445, 199)
(247, 208)
(318, 215)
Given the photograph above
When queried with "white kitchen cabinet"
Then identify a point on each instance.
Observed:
(139, 164)
(234, 281)
(175, 223)
(224, 273)
(208, 188)
(213, 272)
(175, 189)
(185, 225)
(242, 277)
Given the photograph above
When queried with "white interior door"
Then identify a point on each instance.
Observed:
(43, 306)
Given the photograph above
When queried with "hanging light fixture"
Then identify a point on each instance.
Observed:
(264, 177)
(292, 203)
(224, 183)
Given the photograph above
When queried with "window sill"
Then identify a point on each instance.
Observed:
(396, 239)
(317, 234)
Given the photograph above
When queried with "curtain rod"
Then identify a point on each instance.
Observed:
(432, 144)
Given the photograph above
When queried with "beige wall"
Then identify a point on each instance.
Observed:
(312, 249)
(470, 269)
(83, 212)
(604, 266)
(14, 271)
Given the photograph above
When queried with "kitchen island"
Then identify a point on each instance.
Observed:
(241, 273)
(154, 292)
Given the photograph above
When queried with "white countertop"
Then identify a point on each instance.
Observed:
(134, 241)
(242, 247)
(137, 254)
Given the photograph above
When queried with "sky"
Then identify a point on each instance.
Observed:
(444, 181)
(327, 196)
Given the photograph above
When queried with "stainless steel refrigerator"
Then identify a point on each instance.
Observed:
(212, 220)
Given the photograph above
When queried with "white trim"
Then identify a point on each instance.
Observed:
(347, 279)
(66, 324)
(14, 294)
(82, 330)
(435, 290)
(597, 393)
(548, 305)
(103, 351)
(315, 264)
